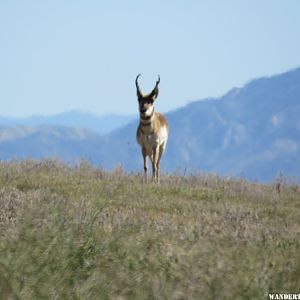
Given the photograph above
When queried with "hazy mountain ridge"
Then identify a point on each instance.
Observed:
(252, 131)
(69, 144)
(101, 125)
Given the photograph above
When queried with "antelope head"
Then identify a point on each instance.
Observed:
(146, 102)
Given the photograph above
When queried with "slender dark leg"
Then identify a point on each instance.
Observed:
(160, 153)
(145, 165)
(154, 164)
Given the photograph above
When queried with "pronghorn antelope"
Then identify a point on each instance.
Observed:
(152, 132)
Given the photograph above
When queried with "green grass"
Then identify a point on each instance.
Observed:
(82, 233)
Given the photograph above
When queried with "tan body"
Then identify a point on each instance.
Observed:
(153, 140)
(152, 132)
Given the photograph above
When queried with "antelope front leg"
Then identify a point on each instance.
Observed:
(154, 165)
(145, 165)
(160, 153)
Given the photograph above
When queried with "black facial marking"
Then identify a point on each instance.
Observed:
(146, 118)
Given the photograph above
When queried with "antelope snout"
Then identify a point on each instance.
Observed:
(143, 110)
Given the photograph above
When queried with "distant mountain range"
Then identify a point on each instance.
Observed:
(76, 119)
(253, 131)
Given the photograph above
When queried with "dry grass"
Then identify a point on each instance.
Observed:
(82, 233)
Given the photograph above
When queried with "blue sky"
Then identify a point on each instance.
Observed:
(84, 55)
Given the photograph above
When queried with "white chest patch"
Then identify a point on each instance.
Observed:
(150, 141)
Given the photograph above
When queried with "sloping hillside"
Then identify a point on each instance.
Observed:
(82, 233)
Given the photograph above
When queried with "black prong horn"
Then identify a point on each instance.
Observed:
(154, 92)
(138, 91)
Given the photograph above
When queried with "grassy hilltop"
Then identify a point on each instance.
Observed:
(82, 233)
